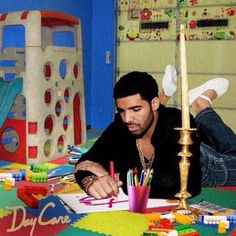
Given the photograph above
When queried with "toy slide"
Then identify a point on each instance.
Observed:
(8, 92)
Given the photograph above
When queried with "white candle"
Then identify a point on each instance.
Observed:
(184, 82)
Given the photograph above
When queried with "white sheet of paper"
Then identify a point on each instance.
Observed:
(82, 203)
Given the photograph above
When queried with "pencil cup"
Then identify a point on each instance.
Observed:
(138, 198)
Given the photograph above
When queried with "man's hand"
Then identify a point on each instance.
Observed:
(104, 187)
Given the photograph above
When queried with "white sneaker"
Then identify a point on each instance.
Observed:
(220, 85)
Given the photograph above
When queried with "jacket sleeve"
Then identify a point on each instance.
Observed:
(194, 179)
(102, 150)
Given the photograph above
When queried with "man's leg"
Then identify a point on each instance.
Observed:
(217, 169)
(218, 148)
(211, 128)
(215, 133)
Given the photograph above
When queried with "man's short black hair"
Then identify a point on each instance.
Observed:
(136, 83)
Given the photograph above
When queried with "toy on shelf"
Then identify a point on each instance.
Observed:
(41, 86)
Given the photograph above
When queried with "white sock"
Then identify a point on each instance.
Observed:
(169, 81)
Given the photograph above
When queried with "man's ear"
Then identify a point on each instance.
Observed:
(155, 103)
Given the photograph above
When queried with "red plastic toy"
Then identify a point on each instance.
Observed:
(26, 194)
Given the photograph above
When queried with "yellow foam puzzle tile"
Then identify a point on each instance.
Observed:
(16, 165)
(4, 212)
(50, 165)
(115, 223)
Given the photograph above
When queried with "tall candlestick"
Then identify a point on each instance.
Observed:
(184, 82)
(185, 130)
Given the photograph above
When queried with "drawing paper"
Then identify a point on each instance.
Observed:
(82, 203)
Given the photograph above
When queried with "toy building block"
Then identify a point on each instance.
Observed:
(190, 234)
(26, 194)
(230, 212)
(39, 177)
(28, 175)
(155, 228)
(38, 168)
(160, 233)
(215, 219)
(165, 223)
(8, 183)
(231, 218)
(23, 172)
(186, 230)
(18, 176)
(184, 219)
(150, 233)
(222, 226)
(169, 216)
(153, 217)
(233, 232)
(3, 176)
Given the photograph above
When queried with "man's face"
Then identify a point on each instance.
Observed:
(136, 113)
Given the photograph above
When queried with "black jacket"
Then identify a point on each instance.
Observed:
(118, 144)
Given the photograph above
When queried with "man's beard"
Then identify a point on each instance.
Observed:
(143, 132)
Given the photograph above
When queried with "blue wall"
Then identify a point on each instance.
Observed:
(102, 73)
(97, 19)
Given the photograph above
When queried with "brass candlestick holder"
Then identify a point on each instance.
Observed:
(185, 140)
(185, 133)
(184, 164)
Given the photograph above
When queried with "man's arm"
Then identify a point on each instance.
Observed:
(92, 170)
(99, 183)
(91, 166)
